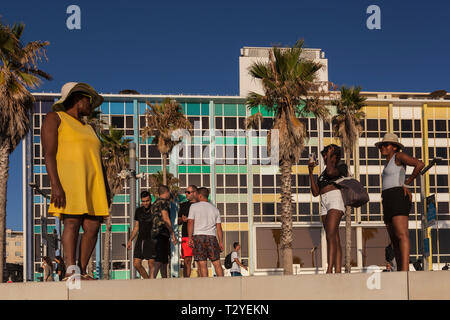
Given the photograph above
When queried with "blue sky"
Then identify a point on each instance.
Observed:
(192, 47)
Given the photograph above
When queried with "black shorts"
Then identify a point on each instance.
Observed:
(162, 249)
(144, 249)
(395, 203)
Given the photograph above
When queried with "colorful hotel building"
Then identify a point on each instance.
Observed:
(245, 186)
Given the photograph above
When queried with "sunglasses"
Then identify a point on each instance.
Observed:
(188, 192)
(384, 144)
(90, 98)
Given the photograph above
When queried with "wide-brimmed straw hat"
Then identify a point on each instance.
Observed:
(71, 87)
(390, 138)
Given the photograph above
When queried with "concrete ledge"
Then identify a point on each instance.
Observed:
(432, 285)
(34, 291)
(392, 286)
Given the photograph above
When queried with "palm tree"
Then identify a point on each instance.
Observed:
(115, 159)
(18, 73)
(156, 179)
(163, 120)
(291, 90)
(347, 127)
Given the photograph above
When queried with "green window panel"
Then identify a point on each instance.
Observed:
(194, 169)
(121, 198)
(116, 228)
(230, 110)
(241, 110)
(205, 109)
(206, 169)
(120, 275)
(218, 109)
(37, 229)
(231, 169)
(259, 141)
(182, 169)
(266, 113)
(206, 140)
(254, 110)
(197, 140)
(193, 109)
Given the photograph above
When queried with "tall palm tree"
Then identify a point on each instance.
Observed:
(157, 179)
(291, 90)
(115, 159)
(347, 127)
(162, 120)
(18, 73)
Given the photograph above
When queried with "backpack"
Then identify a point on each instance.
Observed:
(353, 192)
(228, 263)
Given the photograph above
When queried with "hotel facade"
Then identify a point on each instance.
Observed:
(233, 163)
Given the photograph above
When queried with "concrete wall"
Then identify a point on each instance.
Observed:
(393, 286)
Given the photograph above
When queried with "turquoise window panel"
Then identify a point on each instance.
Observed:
(218, 109)
(205, 109)
(121, 198)
(105, 107)
(193, 109)
(39, 199)
(206, 140)
(37, 139)
(146, 141)
(129, 108)
(183, 107)
(117, 227)
(230, 110)
(116, 108)
(120, 275)
(39, 169)
(242, 110)
(142, 107)
(37, 229)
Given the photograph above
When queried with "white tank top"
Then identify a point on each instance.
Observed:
(393, 175)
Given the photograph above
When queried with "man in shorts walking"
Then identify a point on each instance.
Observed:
(186, 250)
(144, 247)
(203, 225)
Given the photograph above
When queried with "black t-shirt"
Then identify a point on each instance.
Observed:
(184, 211)
(61, 268)
(145, 222)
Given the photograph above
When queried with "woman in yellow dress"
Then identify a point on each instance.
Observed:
(79, 190)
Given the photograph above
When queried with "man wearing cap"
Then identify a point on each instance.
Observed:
(79, 190)
(396, 197)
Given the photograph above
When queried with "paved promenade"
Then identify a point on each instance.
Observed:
(355, 286)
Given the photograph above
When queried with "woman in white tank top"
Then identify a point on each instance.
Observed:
(396, 197)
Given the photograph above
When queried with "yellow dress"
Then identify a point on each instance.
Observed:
(79, 168)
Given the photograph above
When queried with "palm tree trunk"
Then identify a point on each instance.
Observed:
(91, 266)
(164, 161)
(4, 168)
(348, 228)
(107, 248)
(286, 217)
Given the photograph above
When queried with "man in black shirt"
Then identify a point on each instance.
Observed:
(186, 250)
(144, 247)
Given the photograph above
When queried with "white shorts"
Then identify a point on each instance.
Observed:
(331, 200)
